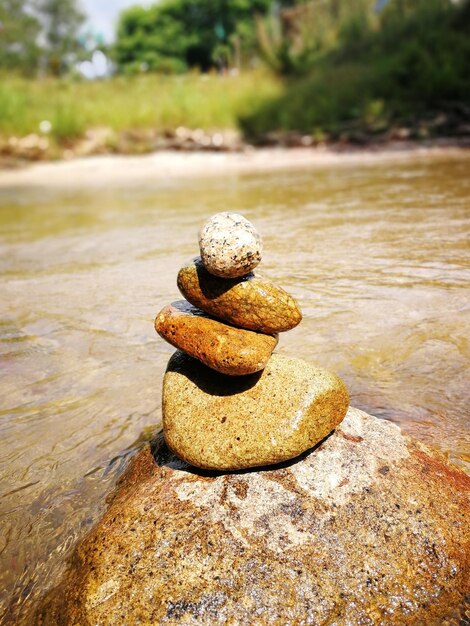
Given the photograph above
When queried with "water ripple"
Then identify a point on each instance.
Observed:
(377, 256)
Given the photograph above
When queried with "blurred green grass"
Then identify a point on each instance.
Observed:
(121, 103)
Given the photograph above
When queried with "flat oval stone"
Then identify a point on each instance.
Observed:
(228, 423)
(230, 245)
(249, 302)
(224, 348)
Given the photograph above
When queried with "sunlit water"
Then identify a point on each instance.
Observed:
(378, 257)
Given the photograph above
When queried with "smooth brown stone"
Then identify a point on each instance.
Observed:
(221, 423)
(224, 348)
(370, 528)
(249, 302)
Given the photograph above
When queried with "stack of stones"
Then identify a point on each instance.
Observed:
(228, 402)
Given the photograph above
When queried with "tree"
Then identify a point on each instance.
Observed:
(36, 33)
(61, 21)
(176, 34)
(19, 30)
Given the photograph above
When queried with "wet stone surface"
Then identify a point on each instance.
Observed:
(249, 302)
(368, 528)
(224, 348)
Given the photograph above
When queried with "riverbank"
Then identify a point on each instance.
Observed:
(54, 119)
(99, 171)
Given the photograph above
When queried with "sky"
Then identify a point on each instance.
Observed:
(103, 14)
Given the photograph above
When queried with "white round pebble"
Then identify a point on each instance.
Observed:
(230, 245)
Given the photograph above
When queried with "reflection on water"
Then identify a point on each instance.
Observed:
(378, 257)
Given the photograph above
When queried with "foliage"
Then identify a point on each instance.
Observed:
(291, 41)
(61, 20)
(39, 34)
(408, 63)
(174, 35)
(342, 67)
(19, 30)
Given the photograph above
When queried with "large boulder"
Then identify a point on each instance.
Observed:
(368, 528)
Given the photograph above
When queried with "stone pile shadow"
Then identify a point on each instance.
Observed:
(164, 457)
(216, 384)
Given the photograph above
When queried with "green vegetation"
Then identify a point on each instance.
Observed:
(365, 72)
(336, 69)
(206, 101)
(39, 35)
(174, 35)
(60, 21)
(18, 33)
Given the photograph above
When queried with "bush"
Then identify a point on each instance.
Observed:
(412, 62)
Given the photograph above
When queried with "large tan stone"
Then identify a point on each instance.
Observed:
(370, 528)
(224, 348)
(226, 424)
(249, 302)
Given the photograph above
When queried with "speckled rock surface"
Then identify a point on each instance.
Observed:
(230, 245)
(226, 349)
(255, 420)
(368, 529)
(249, 302)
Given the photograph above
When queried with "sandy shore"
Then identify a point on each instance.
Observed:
(138, 170)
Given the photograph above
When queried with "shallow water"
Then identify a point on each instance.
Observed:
(378, 257)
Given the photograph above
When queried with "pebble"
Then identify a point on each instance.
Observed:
(249, 302)
(230, 245)
(224, 348)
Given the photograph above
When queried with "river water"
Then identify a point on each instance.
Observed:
(378, 256)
